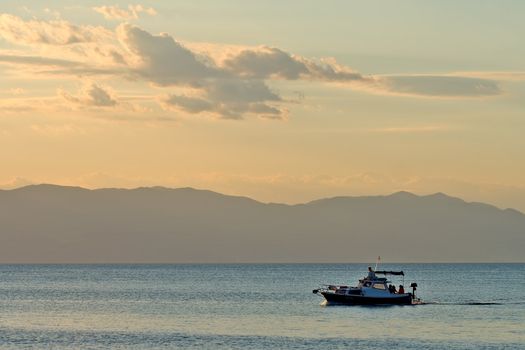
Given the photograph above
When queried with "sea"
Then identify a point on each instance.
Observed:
(255, 306)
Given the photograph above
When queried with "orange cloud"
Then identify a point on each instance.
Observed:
(116, 13)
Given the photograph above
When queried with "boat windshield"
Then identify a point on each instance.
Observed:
(379, 286)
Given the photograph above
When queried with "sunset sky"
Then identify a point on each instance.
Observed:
(279, 101)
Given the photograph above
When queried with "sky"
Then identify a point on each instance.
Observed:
(279, 101)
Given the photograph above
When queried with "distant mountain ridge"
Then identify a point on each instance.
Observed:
(60, 224)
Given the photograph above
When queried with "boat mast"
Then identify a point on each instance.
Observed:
(377, 263)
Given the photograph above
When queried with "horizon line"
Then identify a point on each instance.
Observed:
(257, 263)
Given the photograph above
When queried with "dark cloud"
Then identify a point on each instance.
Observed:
(268, 62)
(265, 63)
(91, 95)
(232, 89)
(231, 99)
(164, 61)
(225, 93)
(190, 104)
(242, 91)
(99, 97)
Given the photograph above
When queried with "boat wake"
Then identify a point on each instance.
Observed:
(465, 303)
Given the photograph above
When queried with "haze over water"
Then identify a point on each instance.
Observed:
(255, 306)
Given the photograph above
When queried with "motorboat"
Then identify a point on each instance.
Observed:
(371, 290)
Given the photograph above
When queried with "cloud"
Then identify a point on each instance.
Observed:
(27, 105)
(166, 62)
(273, 63)
(91, 95)
(55, 32)
(264, 63)
(161, 59)
(60, 45)
(189, 104)
(241, 91)
(441, 86)
(38, 61)
(502, 75)
(269, 62)
(231, 99)
(56, 66)
(116, 13)
(231, 88)
(329, 70)
(229, 85)
(237, 97)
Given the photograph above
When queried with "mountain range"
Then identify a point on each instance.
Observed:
(60, 224)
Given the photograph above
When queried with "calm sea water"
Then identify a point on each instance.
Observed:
(468, 306)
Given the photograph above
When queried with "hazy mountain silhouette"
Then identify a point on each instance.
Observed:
(48, 224)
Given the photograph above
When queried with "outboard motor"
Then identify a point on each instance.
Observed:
(414, 287)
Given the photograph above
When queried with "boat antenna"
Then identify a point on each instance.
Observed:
(377, 263)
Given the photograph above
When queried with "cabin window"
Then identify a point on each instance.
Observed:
(379, 286)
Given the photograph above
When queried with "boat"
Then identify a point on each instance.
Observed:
(371, 290)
